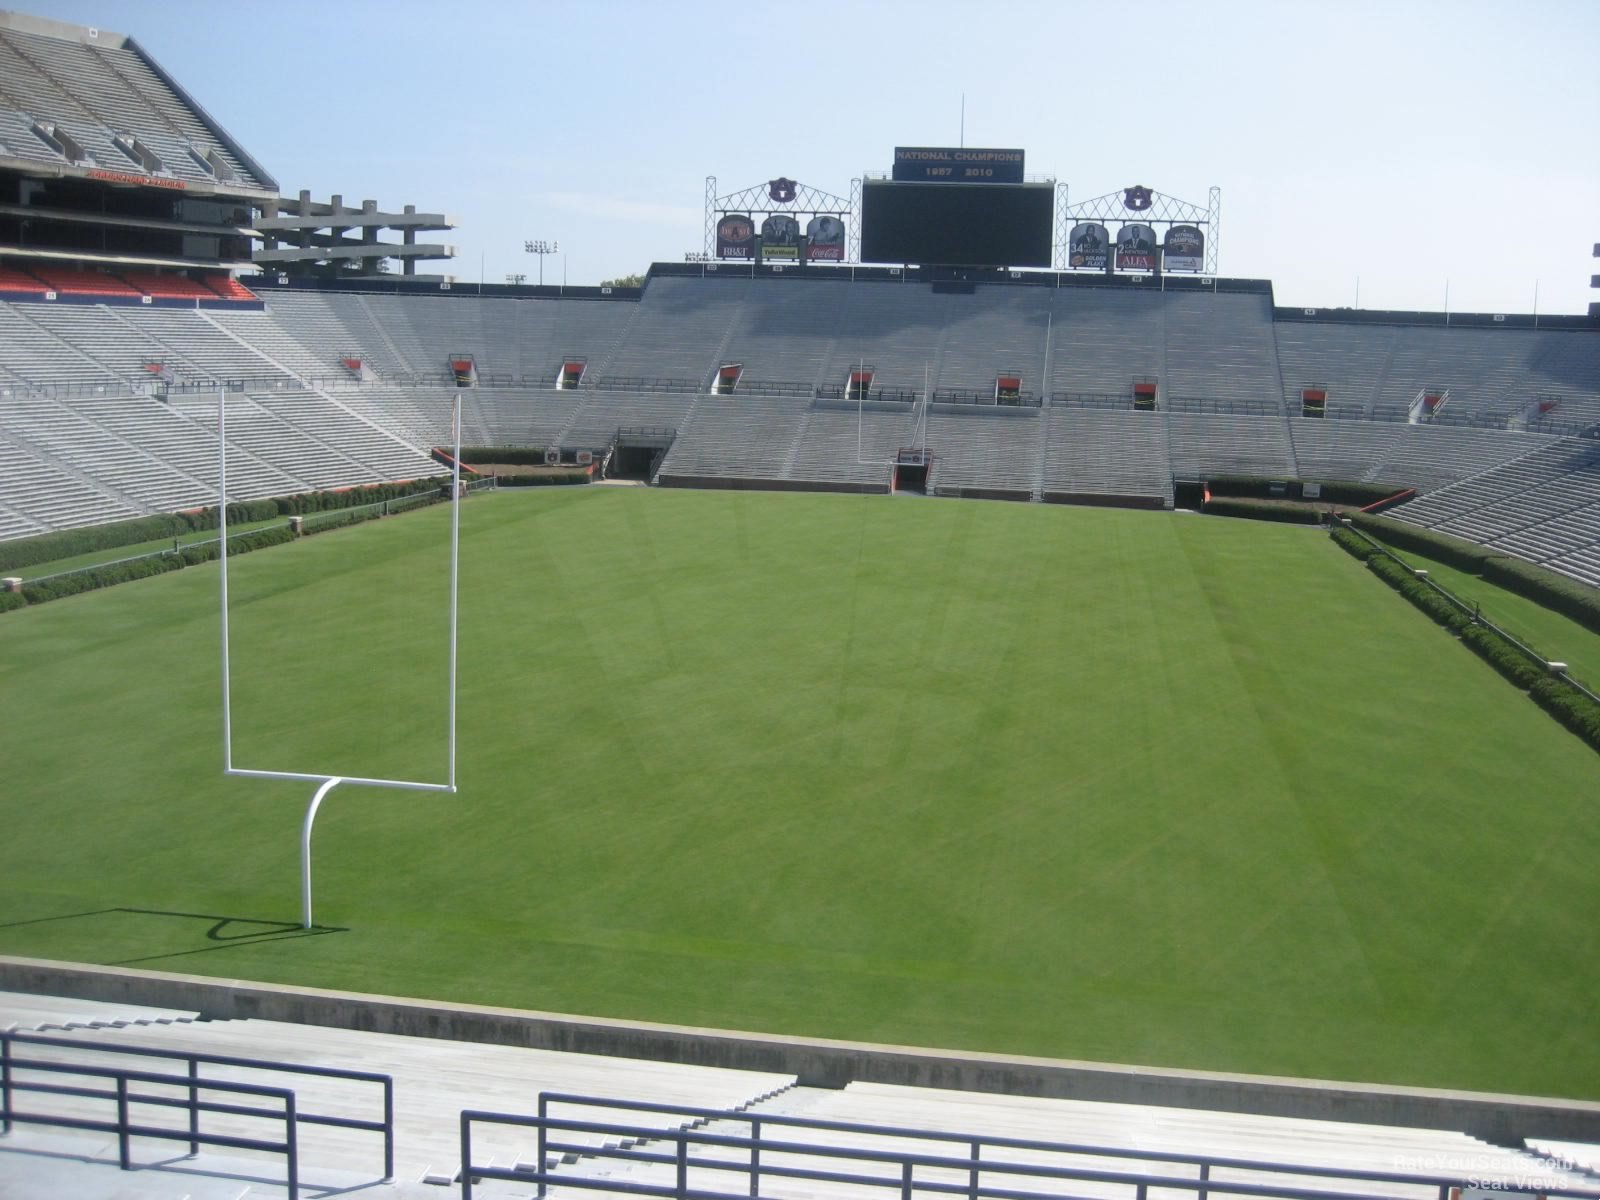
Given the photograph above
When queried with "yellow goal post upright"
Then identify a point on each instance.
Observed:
(326, 781)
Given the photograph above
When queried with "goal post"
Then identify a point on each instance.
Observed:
(327, 781)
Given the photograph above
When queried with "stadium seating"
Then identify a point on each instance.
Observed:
(167, 287)
(1227, 377)
(14, 280)
(1097, 452)
(434, 1079)
(83, 283)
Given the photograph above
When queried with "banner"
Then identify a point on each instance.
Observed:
(736, 237)
(780, 239)
(1087, 246)
(956, 164)
(825, 239)
(1136, 248)
(1185, 249)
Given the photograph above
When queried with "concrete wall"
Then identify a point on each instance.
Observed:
(818, 1062)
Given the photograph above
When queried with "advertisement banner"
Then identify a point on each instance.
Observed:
(825, 239)
(780, 239)
(1136, 248)
(1185, 249)
(956, 164)
(736, 237)
(1087, 246)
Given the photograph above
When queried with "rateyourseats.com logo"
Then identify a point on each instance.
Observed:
(1490, 1177)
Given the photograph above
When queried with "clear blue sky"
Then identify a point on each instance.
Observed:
(1414, 145)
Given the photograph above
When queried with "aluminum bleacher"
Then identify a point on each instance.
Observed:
(1097, 452)
(1102, 337)
(735, 438)
(1216, 444)
(980, 450)
(1219, 346)
(785, 330)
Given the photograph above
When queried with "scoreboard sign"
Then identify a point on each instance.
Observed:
(956, 164)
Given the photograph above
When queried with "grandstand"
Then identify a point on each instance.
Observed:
(1037, 387)
(348, 387)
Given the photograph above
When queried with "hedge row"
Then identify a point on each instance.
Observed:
(99, 577)
(1502, 656)
(340, 520)
(1265, 510)
(510, 456)
(312, 502)
(68, 543)
(543, 479)
(1353, 543)
(1572, 708)
(1419, 593)
(1556, 592)
(1337, 492)
(92, 578)
(1441, 547)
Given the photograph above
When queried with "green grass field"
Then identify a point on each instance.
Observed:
(1137, 787)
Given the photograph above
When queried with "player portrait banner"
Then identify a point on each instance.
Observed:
(825, 239)
(1184, 249)
(1088, 246)
(1136, 248)
(780, 238)
(956, 164)
(736, 237)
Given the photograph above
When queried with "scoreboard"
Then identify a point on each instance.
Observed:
(956, 164)
(957, 224)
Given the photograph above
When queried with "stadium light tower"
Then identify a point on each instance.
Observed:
(542, 249)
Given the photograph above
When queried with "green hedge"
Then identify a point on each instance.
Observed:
(1345, 492)
(69, 543)
(92, 578)
(1336, 492)
(1441, 547)
(314, 502)
(544, 479)
(1556, 592)
(508, 456)
(1502, 656)
(1419, 593)
(99, 577)
(240, 543)
(1572, 708)
(1353, 543)
(340, 520)
(1266, 510)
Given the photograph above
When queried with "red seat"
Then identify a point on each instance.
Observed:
(85, 283)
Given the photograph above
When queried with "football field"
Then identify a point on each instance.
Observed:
(1138, 787)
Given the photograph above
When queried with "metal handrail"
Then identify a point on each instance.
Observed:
(1202, 1184)
(194, 1060)
(124, 1127)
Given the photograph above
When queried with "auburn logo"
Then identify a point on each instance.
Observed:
(782, 190)
(1136, 198)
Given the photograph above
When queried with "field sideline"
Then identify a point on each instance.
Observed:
(1144, 788)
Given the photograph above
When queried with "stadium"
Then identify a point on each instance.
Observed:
(803, 726)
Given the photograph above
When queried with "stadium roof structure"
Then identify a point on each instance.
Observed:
(308, 237)
(86, 102)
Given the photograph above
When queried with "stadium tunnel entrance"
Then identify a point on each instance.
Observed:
(637, 453)
(911, 470)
